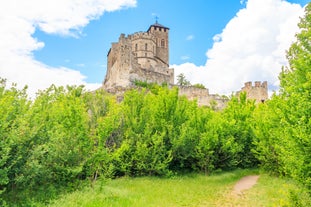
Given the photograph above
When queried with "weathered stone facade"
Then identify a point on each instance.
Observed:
(258, 91)
(203, 97)
(142, 56)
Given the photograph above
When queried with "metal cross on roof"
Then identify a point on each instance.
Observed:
(156, 18)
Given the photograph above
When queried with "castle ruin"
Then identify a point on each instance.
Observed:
(144, 56)
(258, 91)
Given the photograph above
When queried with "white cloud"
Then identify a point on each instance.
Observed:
(20, 19)
(185, 57)
(81, 65)
(190, 37)
(251, 47)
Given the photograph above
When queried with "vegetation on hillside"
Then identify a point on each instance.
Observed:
(67, 135)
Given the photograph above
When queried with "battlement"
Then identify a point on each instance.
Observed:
(257, 84)
(257, 91)
(141, 35)
(139, 56)
(144, 56)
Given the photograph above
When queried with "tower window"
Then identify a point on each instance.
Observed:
(135, 47)
(162, 43)
(146, 46)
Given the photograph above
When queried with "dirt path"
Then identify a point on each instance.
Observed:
(244, 184)
(236, 197)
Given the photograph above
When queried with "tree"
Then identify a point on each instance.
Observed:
(284, 143)
(199, 85)
(296, 92)
(13, 105)
(182, 81)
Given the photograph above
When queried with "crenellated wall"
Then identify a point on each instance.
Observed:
(143, 56)
(257, 91)
(139, 56)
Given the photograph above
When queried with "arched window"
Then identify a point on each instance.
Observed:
(146, 46)
(162, 43)
(135, 47)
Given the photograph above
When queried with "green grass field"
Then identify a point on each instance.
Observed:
(188, 190)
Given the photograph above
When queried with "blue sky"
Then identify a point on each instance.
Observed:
(192, 27)
(64, 42)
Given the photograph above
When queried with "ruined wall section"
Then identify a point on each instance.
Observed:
(257, 92)
(203, 97)
(149, 77)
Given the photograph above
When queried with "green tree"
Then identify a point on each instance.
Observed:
(104, 123)
(55, 143)
(239, 113)
(199, 85)
(296, 92)
(284, 143)
(182, 81)
(13, 105)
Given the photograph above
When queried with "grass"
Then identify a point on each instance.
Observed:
(189, 190)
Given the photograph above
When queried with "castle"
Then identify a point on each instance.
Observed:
(144, 56)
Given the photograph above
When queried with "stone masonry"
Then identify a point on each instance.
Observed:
(258, 91)
(144, 56)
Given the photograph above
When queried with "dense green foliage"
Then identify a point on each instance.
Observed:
(67, 135)
(199, 85)
(284, 131)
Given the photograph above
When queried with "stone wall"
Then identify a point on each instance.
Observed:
(151, 76)
(140, 56)
(203, 97)
(257, 92)
(144, 56)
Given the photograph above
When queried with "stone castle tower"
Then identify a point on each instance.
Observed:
(258, 91)
(142, 56)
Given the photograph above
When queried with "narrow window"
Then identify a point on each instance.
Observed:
(135, 47)
(146, 46)
(162, 43)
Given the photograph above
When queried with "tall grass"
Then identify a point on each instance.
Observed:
(189, 190)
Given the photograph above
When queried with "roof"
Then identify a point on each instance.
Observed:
(157, 25)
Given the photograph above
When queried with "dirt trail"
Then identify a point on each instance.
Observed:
(244, 184)
(236, 197)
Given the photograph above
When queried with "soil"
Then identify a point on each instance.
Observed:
(244, 184)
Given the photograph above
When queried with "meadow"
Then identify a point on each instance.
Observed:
(186, 190)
